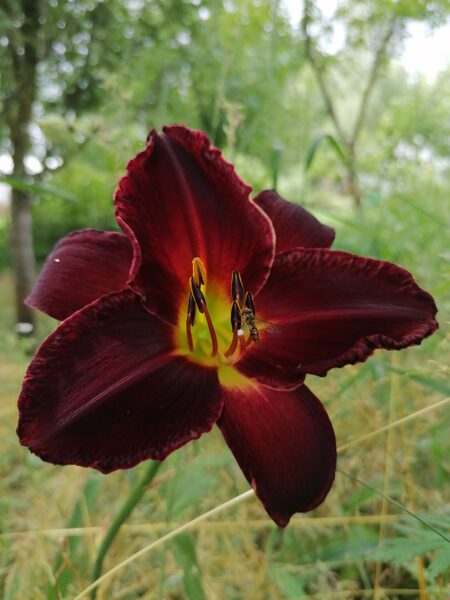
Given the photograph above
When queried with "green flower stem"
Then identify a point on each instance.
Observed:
(125, 511)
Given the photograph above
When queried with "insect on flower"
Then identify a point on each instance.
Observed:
(209, 308)
(250, 322)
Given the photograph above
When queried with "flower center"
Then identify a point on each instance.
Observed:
(217, 331)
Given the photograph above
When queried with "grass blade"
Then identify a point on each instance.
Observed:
(63, 574)
(125, 511)
(37, 188)
(401, 506)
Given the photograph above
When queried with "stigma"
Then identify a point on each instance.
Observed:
(229, 342)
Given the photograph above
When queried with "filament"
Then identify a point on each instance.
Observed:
(189, 334)
(242, 342)
(212, 331)
(232, 347)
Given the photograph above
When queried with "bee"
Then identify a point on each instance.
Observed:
(243, 317)
(253, 324)
(249, 319)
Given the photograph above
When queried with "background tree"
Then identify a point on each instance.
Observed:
(373, 31)
(51, 55)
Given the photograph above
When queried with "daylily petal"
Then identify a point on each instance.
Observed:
(83, 266)
(330, 309)
(106, 391)
(180, 199)
(285, 445)
(294, 226)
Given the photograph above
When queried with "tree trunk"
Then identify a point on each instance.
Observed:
(24, 56)
(23, 261)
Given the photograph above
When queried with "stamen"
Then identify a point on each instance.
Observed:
(189, 334)
(197, 294)
(191, 309)
(249, 302)
(236, 317)
(237, 288)
(201, 305)
(242, 343)
(242, 312)
(198, 271)
(212, 331)
(190, 320)
(233, 345)
(236, 323)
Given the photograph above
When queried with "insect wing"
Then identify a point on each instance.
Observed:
(267, 327)
(262, 326)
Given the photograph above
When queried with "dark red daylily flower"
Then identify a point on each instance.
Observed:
(162, 337)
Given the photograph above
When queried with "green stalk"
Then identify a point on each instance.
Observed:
(275, 161)
(125, 511)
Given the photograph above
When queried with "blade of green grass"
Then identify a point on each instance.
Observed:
(37, 188)
(334, 144)
(393, 501)
(424, 380)
(125, 511)
(63, 575)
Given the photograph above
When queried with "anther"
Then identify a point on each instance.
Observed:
(236, 323)
(198, 271)
(236, 318)
(249, 302)
(197, 294)
(201, 305)
(237, 288)
(191, 309)
(190, 319)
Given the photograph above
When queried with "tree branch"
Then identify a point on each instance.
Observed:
(373, 74)
(319, 72)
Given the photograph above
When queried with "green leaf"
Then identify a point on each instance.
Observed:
(12, 587)
(415, 516)
(136, 493)
(334, 144)
(193, 483)
(401, 551)
(183, 548)
(357, 499)
(38, 188)
(290, 585)
(440, 564)
(425, 381)
(63, 574)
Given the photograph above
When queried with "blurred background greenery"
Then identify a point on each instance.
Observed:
(317, 100)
